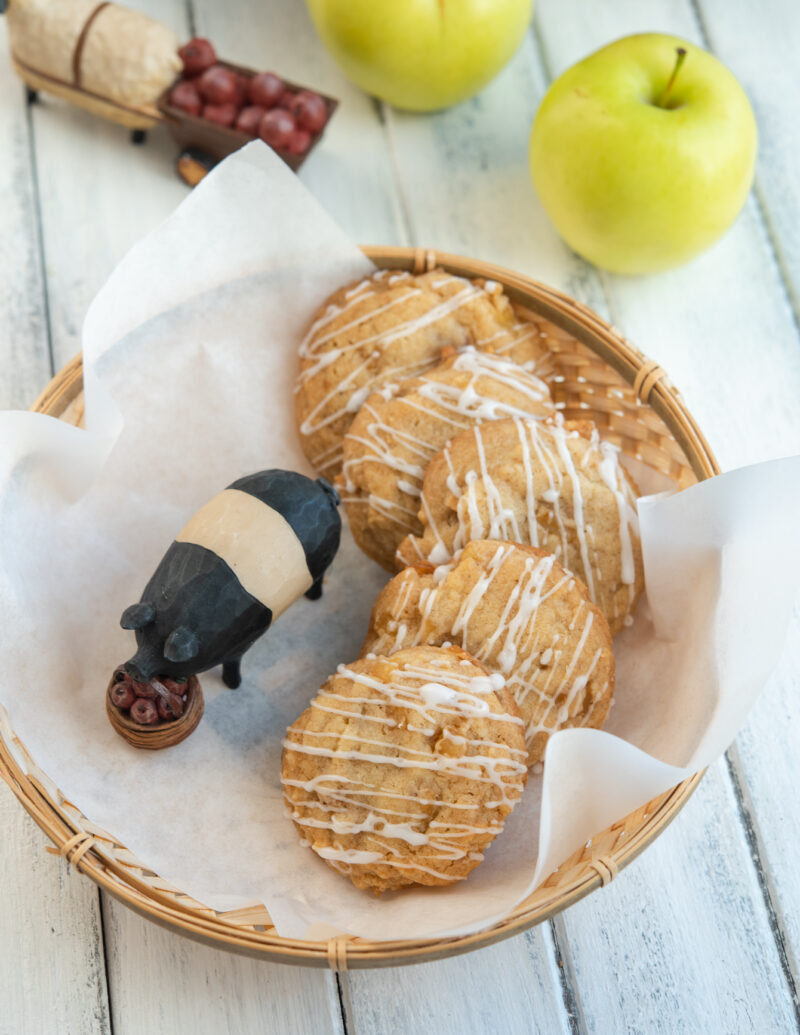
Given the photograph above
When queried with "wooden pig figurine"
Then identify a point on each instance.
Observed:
(241, 560)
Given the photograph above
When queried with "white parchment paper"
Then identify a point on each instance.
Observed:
(189, 363)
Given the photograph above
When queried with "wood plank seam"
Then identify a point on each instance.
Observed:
(566, 973)
(759, 199)
(774, 913)
(386, 116)
(102, 908)
(341, 992)
(39, 230)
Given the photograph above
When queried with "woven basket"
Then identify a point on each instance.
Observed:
(601, 376)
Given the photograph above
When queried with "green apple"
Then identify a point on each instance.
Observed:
(643, 153)
(421, 54)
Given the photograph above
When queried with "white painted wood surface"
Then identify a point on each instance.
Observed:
(702, 934)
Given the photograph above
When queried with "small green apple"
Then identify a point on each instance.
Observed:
(421, 54)
(642, 155)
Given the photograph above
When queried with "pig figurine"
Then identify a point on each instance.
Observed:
(241, 560)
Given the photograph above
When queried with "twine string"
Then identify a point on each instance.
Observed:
(75, 848)
(646, 379)
(605, 867)
(424, 260)
(77, 53)
(337, 952)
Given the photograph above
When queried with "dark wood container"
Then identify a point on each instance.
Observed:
(194, 133)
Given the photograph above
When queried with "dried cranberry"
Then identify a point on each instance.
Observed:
(144, 711)
(250, 119)
(265, 89)
(122, 695)
(186, 97)
(276, 128)
(286, 99)
(298, 142)
(222, 114)
(242, 91)
(218, 85)
(309, 110)
(197, 55)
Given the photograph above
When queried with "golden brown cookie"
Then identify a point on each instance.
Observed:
(400, 428)
(394, 325)
(402, 770)
(556, 486)
(519, 612)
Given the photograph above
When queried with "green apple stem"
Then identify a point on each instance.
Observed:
(662, 101)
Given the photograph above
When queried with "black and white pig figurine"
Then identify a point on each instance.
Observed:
(241, 560)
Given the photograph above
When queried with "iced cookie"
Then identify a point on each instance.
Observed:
(391, 326)
(402, 426)
(402, 770)
(555, 486)
(519, 612)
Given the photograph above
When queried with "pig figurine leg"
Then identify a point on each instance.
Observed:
(316, 590)
(232, 672)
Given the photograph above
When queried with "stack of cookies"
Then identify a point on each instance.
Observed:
(515, 538)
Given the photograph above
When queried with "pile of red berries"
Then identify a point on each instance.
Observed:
(162, 699)
(261, 105)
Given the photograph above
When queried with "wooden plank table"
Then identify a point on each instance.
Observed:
(702, 933)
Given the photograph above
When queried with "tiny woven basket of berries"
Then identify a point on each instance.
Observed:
(154, 715)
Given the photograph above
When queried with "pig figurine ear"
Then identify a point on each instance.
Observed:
(327, 487)
(137, 616)
(181, 645)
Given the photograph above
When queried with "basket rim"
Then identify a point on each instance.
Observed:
(205, 925)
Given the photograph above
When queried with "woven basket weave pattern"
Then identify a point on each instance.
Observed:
(600, 377)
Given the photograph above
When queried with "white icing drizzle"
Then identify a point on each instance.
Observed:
(317, 356)
(428, 695)
(544, 453)
(455, 407)
(548, 682)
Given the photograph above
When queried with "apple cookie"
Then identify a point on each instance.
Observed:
(394, 325)
(515, 609)
(553, 485)
(403, 769)
(401, 427)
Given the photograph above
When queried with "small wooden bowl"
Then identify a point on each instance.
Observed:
(162, 734)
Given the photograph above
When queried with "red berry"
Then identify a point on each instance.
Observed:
(250, 119)
(286, 99)
(276, 128)
(120, 675)
(242, 91)
(309, 110)
(144, 711)
(144, 690)
(298, 142)
(197, 55)
(265, 89)
(186, 97)
(173, 685)
(217, 85)
(170, 708)
(122, 695)
(222, 114)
